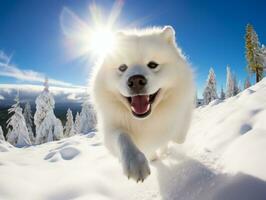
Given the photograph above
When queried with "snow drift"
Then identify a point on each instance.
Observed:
(223, 157)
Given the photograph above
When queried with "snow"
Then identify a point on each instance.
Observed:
(223, 158)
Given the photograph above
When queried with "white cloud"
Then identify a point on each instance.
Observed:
(38, 88)
(4, 58)
(29, 92)
(10, 70)
(73, 97)
(2, 97)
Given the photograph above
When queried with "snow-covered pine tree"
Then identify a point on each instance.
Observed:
(229, 83)
(247, 83)
(48, 127)
(19, 135)
(69, 127)
(28, 119)
(263, 55)
(239, 86)
(51, 129)
(222, 94)
(196, 97)
(236, 86)
(77, 123)
(210, 93)
(2, 137)
(254, 54)
(87, 118)
(44, 103)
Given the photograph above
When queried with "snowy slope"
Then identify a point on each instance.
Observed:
(223, 158)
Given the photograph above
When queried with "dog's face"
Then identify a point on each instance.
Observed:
(142, 69)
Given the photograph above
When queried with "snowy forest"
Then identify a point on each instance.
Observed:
(26, 128)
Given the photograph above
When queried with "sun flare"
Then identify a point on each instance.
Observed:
(92, 38)
(102, 41)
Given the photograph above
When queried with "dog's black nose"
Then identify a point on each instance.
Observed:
(136, 83)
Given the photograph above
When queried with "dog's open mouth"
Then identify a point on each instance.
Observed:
(141, 104)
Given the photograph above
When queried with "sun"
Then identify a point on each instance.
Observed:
(102, 41)
(90, 38)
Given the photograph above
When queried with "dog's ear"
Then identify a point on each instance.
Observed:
(168, 33)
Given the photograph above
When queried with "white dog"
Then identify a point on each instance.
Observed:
(143, 93)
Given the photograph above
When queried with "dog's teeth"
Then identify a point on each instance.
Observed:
(148, 98)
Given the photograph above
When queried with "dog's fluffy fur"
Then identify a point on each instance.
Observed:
(134, 139)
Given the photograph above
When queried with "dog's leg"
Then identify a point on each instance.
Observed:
(135, 164)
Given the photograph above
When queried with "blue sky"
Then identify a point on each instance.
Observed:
(211, 33)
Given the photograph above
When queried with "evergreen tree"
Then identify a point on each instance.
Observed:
(77, 123)
(236, 86)
(247, 83)
(229, 83)
(222, 95)
(87, 118)
(19, 135)
(28, 118)
(44, 103)
(69, 127)
(210, 92)
(48, 127)
(196, 98)
(254, 54)
(51, 129)
(2, 137)
(263, 56)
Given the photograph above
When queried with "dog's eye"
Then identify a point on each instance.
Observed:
(152, 64)
(122, 68)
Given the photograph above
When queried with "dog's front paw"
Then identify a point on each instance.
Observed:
(135, 165)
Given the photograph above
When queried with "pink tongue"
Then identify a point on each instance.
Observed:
(140, 104)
